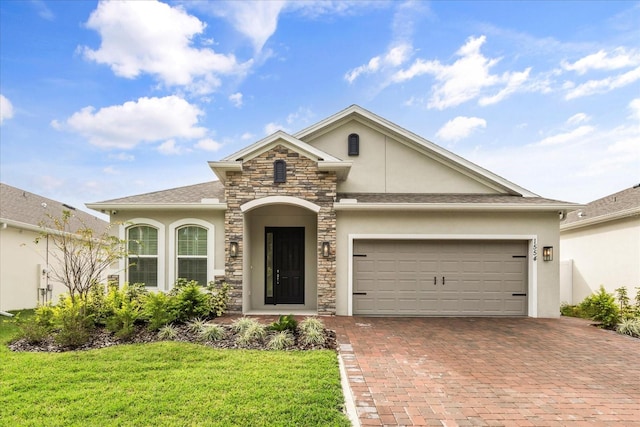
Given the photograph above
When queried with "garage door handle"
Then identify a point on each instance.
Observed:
(359, 293)
(442, 280)
(435, 281)
(518, 295)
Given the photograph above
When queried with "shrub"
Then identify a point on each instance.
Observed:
(218, 298)
(253, 334)
(629, 326)
(72, 322)
(125, 308)
(97, 306)
(37, 328)
(601, 307)
(572, 311)
(190, 302)
(311, 323)
(196, 325)
(241, 324)
(284, 323)
(157, 310)
(313, 337)
(212, 332)
(281, 340)
(168, 332)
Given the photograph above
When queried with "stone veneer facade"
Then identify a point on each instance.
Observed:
(305, 181)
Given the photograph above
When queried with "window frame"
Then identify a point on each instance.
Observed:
(353, 144)
(174, 227)
(123, 234)
(279, 171)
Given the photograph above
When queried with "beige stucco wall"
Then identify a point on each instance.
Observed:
(605, 254)
(544, 227)
(386, 165)
(21, 264)
(166, 218)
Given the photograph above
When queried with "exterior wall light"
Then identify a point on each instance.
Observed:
(547, 253)
(233, 249)
(326, 250)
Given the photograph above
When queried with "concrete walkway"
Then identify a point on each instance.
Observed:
(489, 372)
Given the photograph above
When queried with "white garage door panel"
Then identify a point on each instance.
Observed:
(472, 278)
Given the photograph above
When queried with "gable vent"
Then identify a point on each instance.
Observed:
(279, 171)
(354, 144)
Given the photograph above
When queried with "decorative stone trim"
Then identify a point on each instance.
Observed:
(304, 181)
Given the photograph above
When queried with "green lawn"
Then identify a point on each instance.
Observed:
(167, 384)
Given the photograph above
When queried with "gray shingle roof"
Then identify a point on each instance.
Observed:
(609, 205)
(189, 194)
(446, 198)
(29, 208)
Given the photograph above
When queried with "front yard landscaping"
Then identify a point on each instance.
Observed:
(167, 384)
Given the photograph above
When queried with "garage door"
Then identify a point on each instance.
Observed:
(440, 278)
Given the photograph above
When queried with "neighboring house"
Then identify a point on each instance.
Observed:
(24, 265)
(600, 245)
(351, 216)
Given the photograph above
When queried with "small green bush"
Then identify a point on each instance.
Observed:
(168, 332)
(601, 307)
(189, 302)
(218, 298)
(284, 323)
(313, 337)
(73, 324)
(572, 311)
(311, 323)
(255, 333)
(629, 326)
(212, 332)
(241, 324)
(157, 310)
(196, 325)
(37, 328)
(281, 341)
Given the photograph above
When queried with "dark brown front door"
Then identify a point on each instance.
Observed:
(284, 265)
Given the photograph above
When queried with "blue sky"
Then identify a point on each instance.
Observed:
(109, 99)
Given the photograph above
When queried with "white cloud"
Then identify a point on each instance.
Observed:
(574, 135)
(125, 157)
(236, 99)
(634, 106)
(145, 120)
(43, 11)
(394, 57)
(170, 148)
(110, 170)
(155, 38)
(578, 118)
(601, 60)
(465, 79)
(246, 136)
(460, 127)
(208, 144)
(273, 127)
(604, 85)
(257, 20)
(6, 109)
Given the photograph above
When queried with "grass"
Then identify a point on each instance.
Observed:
(168, 384)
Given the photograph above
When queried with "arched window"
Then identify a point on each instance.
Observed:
(192, 253)
(279, 171)
(142, 243)
(354, 144)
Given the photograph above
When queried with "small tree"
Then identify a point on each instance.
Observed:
(82, 254)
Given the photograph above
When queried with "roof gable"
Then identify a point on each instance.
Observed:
(623, 204)
(414, 142)
(325, 160)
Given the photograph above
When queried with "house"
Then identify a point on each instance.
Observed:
(600, 245)
(353, 215)
(24, 265)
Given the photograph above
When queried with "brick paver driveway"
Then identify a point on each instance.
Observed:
(489, 372)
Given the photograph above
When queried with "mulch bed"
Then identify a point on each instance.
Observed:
(101, 338)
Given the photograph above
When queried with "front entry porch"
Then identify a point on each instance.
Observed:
(281, 260)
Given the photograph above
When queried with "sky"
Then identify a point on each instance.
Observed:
(100, 100)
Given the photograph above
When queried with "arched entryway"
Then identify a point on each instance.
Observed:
(281, 256)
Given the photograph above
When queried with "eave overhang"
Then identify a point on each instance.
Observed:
(110, 208)
(458, 207)
(222, 167)
(627, 213)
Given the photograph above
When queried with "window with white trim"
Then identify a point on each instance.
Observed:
(191, 253)
(142, 243)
